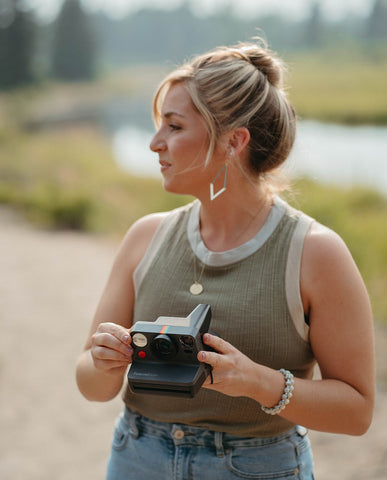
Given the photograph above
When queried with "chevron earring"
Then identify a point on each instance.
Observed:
(224, 169)
(223, 189)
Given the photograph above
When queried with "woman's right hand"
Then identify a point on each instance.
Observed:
(111, 349)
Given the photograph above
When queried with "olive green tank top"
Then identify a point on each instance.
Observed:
(256, 305)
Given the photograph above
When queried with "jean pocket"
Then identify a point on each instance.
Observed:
(121, 434)
(269, 462)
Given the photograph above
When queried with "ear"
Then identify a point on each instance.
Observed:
(239, 139)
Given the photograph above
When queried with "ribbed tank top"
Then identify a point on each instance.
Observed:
(256, 305)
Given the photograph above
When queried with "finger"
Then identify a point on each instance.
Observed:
(118, 331)
(217, 343)
(211, 358)
(110, 366)
(105, 353)
(109, 342)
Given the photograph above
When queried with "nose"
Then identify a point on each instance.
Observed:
(157, 143)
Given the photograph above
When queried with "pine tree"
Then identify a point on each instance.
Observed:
(17, 32)
(74, 49)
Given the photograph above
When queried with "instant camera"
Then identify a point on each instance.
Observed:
(165, 354)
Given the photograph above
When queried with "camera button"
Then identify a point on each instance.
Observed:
(178, 435)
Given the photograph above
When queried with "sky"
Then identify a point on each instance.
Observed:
(334, 9)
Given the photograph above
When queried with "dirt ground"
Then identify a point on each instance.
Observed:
(49, 285)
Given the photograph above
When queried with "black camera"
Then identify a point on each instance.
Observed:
(165, 354)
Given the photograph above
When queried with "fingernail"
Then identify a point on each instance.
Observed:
(125, 338)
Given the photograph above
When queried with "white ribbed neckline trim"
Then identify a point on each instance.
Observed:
(220, 259)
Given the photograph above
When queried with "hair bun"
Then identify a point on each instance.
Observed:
(262, 59)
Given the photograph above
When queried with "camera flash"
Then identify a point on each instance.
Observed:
(139, 340)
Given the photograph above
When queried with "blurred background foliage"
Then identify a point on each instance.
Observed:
(80, 44)
(58, 79)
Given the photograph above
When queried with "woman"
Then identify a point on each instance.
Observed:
(284, 291)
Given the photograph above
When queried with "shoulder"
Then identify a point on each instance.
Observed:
(328, 270)
(319, 243)
(323, 246)
(134, 245)
(140, 234)
(144, 228)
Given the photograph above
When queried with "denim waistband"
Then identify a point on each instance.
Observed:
(182, 434)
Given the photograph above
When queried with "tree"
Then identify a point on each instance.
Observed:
(377, 21)
(17, 33)
(314, 26)
(74, 48)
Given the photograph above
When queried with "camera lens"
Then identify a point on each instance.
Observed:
(163, 347)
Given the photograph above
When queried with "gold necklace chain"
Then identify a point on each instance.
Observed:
(197, 288)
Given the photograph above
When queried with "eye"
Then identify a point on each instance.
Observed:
(174, 127)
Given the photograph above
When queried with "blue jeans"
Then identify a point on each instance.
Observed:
(144, 449)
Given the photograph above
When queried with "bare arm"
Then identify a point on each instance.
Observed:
(341, 335)
(107, 352)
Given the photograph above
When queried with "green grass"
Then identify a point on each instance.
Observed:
(68, 179)
(343, 88)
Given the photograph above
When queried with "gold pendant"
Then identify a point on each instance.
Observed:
(196, 288)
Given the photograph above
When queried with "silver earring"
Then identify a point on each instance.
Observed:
(224, 168)
(223, 189)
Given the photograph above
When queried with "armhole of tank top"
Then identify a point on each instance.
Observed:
(153, 247)
(292, 277)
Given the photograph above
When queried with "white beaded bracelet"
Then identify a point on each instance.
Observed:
(286, 396)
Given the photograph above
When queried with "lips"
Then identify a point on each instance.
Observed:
(164, 165)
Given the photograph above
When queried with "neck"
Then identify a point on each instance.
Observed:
(231, 220)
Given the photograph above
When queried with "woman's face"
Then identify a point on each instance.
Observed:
(182, 143)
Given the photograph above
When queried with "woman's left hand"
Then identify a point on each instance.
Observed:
(232, 371)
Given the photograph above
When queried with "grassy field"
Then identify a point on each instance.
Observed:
(69, 179)
(341, 87)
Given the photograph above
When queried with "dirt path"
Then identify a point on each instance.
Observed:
(49, 286)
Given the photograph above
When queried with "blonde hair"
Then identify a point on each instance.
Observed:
(239, 86)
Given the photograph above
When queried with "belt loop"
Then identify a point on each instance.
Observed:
(219, 444)
(302, 431)
(133, 425)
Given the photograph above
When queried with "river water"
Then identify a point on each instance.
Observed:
(325, 152)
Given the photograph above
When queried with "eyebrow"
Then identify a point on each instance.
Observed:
(170, 114)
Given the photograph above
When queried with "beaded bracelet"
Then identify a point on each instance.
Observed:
(286, 396)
